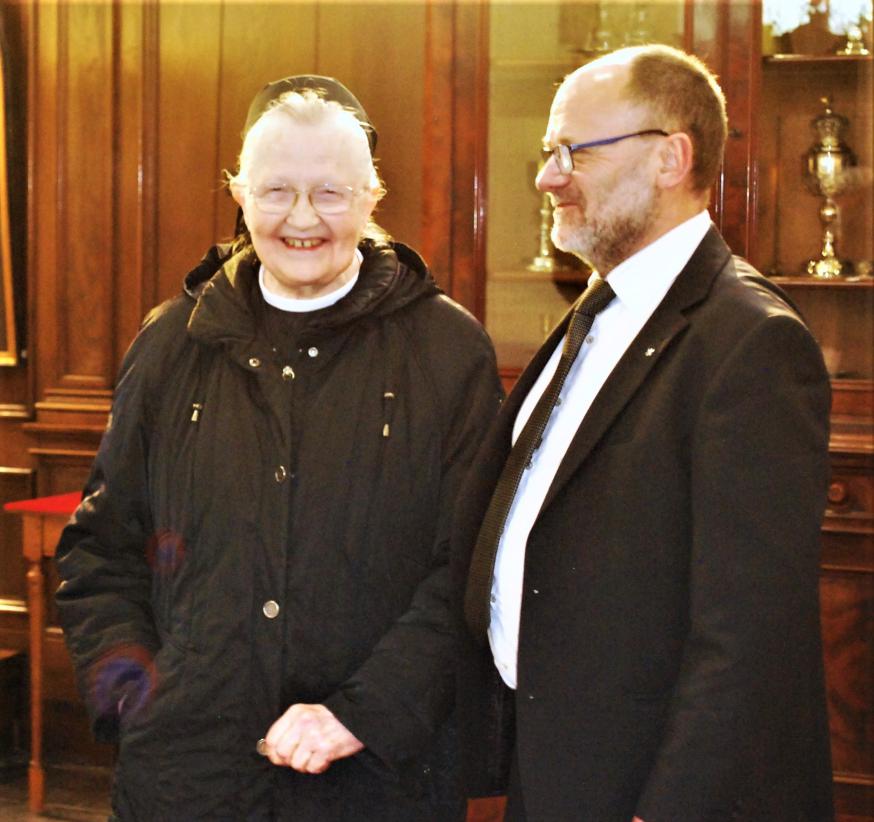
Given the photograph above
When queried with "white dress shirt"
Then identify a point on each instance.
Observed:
(640, 284)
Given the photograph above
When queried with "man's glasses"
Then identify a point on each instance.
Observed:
(325, 199)
(564, 154)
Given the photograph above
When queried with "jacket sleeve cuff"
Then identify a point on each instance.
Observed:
(392, 735)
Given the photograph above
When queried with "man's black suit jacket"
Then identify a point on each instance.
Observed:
(670, 661)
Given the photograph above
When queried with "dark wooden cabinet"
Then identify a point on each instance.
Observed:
(779, 229)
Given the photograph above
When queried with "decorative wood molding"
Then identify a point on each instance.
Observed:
(13, 606)
(14, 411)
(470, 155)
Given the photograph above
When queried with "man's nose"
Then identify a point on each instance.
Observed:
(549, 178)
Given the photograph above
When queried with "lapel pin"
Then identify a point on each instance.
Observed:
(649, 352)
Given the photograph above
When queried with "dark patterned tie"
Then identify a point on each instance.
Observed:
(477, 607)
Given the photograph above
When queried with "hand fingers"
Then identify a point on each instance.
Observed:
(283, 725)
(325, 748)
(297, 741)
(309, 738)
(284, 735)
(308, 741)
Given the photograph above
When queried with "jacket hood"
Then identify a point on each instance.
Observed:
(224, 285)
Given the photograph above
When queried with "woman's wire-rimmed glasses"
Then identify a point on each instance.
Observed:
(564, 153)
(281, 198)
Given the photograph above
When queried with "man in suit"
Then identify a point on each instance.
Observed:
(642, 637)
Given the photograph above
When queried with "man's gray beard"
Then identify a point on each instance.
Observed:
(605, 241)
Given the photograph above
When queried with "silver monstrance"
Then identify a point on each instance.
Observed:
(825, 174)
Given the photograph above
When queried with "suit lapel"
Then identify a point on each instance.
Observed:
(666, 322)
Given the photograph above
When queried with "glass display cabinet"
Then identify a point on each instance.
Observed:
(532, 46)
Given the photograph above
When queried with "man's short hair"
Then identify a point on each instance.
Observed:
(683, 95)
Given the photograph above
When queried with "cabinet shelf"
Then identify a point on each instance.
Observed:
(510, 64)
(782, 59)
(813, 282)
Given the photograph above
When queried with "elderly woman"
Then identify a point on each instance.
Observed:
(255, 585)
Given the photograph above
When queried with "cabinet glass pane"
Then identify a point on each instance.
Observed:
(802, 67)
(531, 47)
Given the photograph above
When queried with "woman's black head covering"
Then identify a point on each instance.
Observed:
(328, 88)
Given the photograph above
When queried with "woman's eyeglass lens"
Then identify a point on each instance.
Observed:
(325, 199)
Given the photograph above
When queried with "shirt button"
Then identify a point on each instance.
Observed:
(270, 609)
(261, 746)
(493, 598)
(254, 362)
(590, 339)
(288, 373)
(281, 473)
(312, 351)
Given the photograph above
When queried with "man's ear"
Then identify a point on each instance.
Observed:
(676, 158)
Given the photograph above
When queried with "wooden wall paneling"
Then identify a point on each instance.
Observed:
(83, 263)
(43, 229)
(13, 442)
(62, 467)
(135, 238)
(190, 36)
(261, 42)
(378, 50)
(72, 268)
(15, 484)
(438, 124)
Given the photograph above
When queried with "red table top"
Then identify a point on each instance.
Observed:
(63, 504)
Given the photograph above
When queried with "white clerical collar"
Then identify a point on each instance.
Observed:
(641, 281)
(301, 305)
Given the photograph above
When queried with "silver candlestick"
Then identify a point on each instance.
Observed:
(545, 260)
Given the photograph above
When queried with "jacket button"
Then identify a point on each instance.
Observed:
(535, 590)
(261, 746)
(270, 609)
(312, 351)
(288, 373)
(254, 362)
(281, 473)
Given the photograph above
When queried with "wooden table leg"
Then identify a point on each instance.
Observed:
(36, 621)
